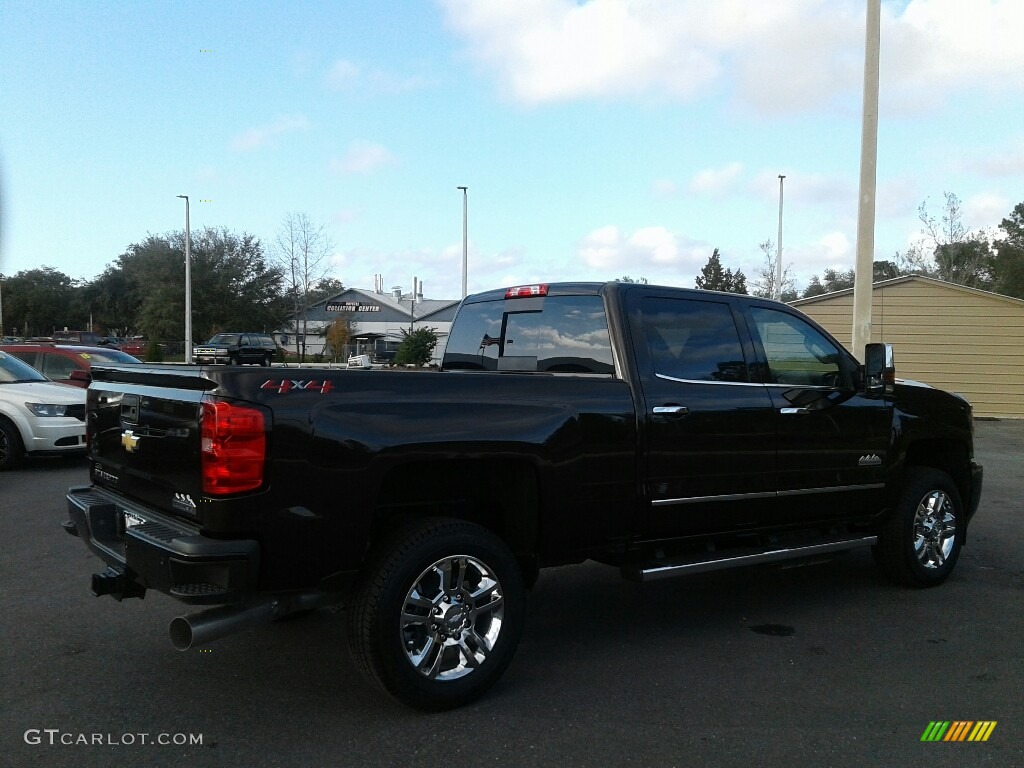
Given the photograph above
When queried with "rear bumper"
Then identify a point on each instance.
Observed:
(145, 549)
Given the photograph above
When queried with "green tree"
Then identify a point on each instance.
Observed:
(628, 279)
(417, 347)
(948, 249)
(39, 301)
(1008, 264)
(713, 278)
(842, 279)
(233, 287)
(325, 289)
(109, 299)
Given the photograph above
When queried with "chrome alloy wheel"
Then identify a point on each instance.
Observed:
(934, 529)
(451, 617)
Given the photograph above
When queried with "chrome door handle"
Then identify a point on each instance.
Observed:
(791, 411)
(679, 410)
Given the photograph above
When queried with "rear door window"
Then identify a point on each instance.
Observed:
(553, 334)
(692, 340)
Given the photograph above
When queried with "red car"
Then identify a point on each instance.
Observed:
(67, 363)
(134, 346)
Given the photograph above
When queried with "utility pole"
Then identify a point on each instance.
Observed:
(778, 248)
(864, 272)
(465, 239)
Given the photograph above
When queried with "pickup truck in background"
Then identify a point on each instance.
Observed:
(661, 431)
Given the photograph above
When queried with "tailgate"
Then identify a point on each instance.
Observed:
(144, 434)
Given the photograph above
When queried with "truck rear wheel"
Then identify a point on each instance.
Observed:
(439, 614)
(920, 542)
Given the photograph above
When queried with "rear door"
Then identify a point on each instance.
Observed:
(709, 428)
(246, 352)
(832, 440)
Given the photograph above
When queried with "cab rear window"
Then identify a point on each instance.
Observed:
(550, 334)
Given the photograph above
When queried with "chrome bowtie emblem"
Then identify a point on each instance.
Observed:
(130, 441)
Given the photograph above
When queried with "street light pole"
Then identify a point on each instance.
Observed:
(465, 239)
(188, 285)
(778, 248)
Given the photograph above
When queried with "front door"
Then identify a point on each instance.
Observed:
(832, 439)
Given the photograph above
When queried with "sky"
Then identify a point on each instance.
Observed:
(597, 138)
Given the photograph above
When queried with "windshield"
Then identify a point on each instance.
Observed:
(224, 338)
(110, 356)
(13, 371)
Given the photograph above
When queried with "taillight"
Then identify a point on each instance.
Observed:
(234, 447)
(523, 291)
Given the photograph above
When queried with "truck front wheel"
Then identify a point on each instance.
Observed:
(920, 542)
(438, 615)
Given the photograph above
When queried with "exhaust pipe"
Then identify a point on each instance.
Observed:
(201, 628)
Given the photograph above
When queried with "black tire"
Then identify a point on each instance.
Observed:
(431, 651)
(11, 448)
(265, 361)
(232, 359)
(920, 542)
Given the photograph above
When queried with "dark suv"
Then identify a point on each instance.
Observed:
(235, 349)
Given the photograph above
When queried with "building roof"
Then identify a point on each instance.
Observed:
(370, 305)
(881, 284)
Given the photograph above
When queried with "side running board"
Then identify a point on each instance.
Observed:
(666, 569)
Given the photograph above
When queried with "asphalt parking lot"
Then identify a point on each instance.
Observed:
(819, 666)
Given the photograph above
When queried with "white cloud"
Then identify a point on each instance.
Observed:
(997, 162)
(609, 250)
(945, 44)
(363, 157)
(986, 210)
(255, 138)
(716, 181)
(897, 198)
(783, 55)
(804, 188)
(342, 74)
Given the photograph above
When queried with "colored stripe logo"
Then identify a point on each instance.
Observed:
(958, 730)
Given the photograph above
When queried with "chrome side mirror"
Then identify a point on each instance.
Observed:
(879, 369)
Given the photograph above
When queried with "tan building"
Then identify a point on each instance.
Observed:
(952, 337)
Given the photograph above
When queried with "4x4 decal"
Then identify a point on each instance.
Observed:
(287, 385)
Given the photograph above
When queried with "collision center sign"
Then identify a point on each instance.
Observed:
(350, 306)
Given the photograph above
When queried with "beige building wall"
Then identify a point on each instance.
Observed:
(955, 338)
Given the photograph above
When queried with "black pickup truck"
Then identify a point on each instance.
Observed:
(661, 431)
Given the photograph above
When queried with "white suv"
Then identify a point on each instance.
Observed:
(37, 416)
